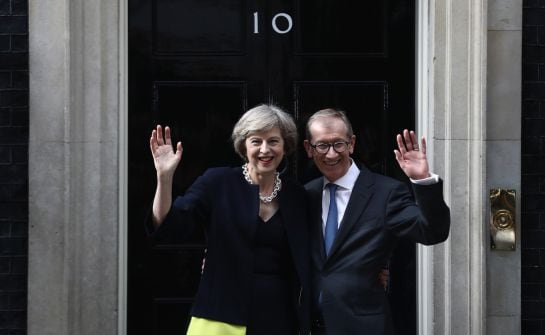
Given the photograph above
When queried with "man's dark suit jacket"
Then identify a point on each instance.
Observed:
(380, 211)
(227, 207)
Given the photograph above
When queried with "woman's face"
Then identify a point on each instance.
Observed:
(264, 151)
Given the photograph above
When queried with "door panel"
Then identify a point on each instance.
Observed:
(184, 27)
(354, 27)
(197, 65)
(198, 111)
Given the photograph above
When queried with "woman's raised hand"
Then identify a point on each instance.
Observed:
(164, 157)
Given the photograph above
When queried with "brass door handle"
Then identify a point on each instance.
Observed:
(502, 219)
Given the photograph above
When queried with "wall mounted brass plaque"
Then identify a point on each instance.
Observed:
(502, 219)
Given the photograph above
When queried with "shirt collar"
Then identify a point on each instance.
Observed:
(349, 179)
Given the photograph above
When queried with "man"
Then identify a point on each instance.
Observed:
(359, 217)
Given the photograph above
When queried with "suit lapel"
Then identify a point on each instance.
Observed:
(250, 194)
(293, 228)
(359, 199)
(317, 237)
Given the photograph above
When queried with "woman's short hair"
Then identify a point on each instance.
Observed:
(262, 118)
(330, 113)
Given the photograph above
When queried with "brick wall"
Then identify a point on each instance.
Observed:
(533, 167)
(13, 165)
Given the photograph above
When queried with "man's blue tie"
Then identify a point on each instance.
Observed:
(332, 217)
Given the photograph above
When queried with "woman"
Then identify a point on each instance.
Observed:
(257, 265)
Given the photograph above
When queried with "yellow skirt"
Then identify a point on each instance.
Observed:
(200, 326)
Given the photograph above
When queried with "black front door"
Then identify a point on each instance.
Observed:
(197, 65)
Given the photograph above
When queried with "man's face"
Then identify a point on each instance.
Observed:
(330, 130)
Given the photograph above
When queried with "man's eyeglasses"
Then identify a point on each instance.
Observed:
(323, 148)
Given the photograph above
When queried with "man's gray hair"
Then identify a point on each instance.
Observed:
(330, 113)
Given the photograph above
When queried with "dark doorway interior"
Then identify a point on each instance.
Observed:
(197, 65)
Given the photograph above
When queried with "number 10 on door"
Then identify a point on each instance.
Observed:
(274, 23)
